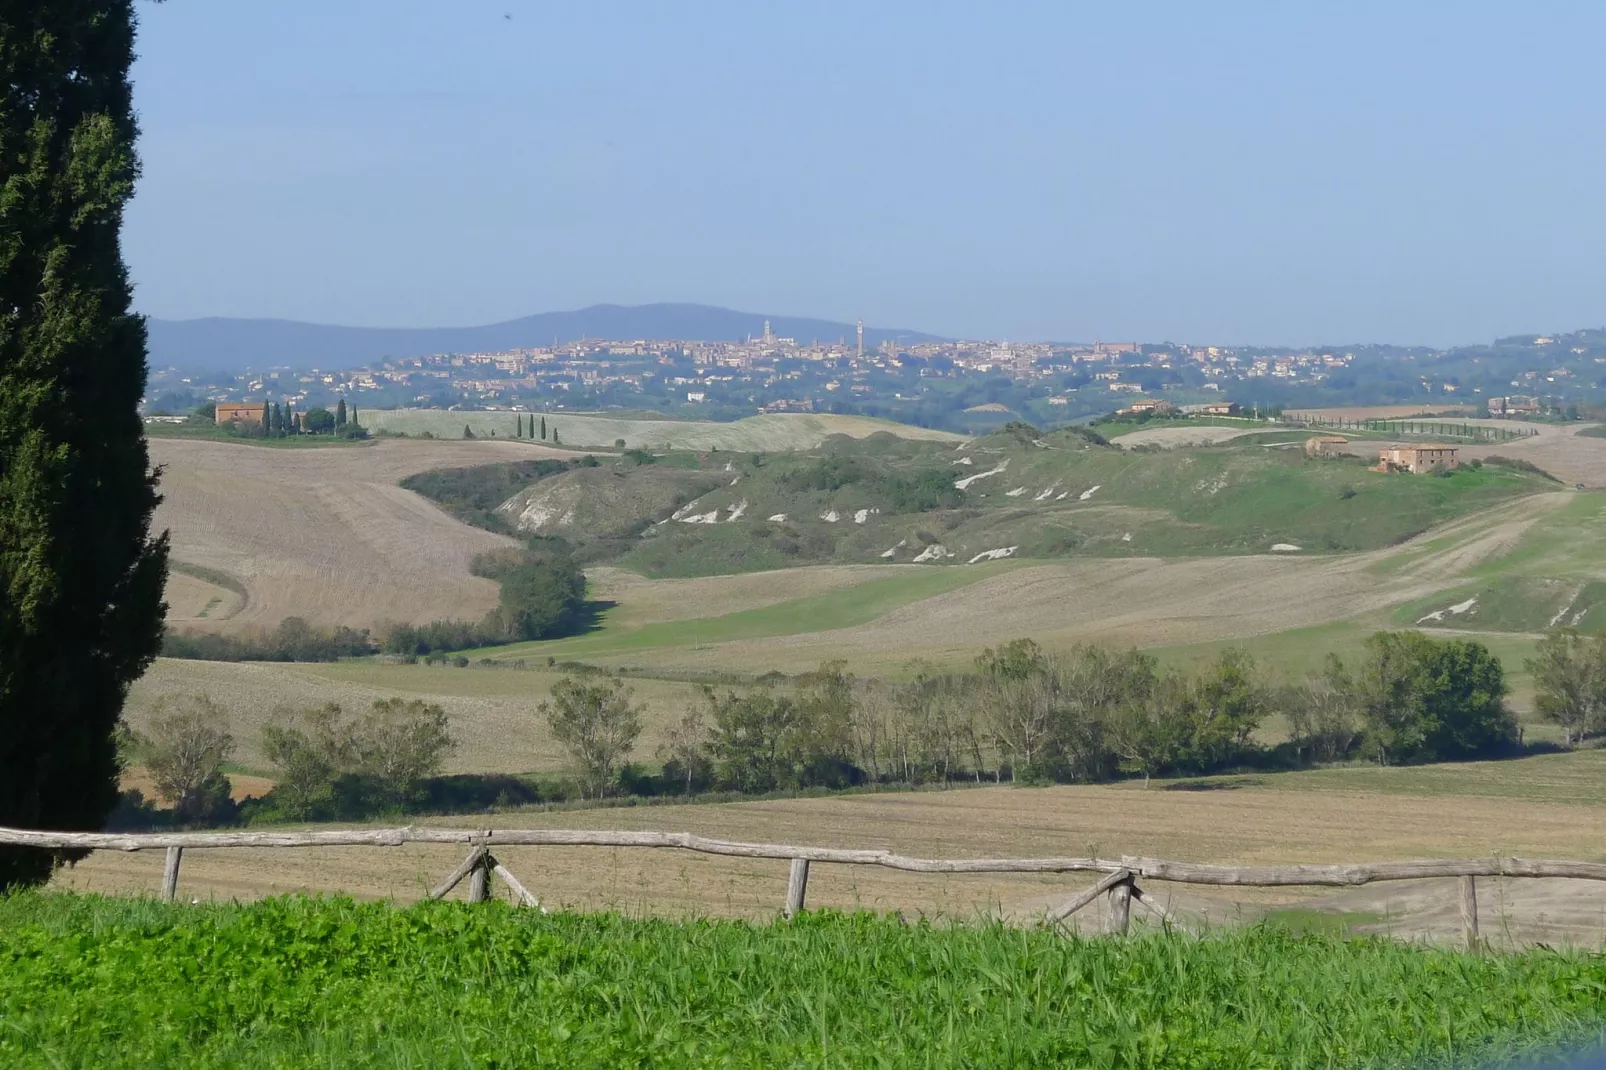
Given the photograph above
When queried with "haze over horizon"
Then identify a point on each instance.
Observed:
(1245, 177)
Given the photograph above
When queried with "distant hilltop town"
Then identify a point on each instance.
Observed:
(958, 385)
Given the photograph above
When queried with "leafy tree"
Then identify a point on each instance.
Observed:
(1569, 673)
(1323, 722)
(1148, 731)
(596, 722)
(309, 750)
(1017, 694)
(751, 737)
(318, 420)
(684, 750)
(1430, 700)
(184, 750)
(541, 598)
(80, 576)
(400, 742)
(1227, 704)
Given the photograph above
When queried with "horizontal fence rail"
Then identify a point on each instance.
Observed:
(1118, 881)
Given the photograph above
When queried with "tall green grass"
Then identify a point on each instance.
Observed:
(298, 982)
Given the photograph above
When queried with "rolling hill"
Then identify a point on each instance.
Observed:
(237, 344)
(1009, 495)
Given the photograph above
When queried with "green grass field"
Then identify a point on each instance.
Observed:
(295, 982)
(841, 608)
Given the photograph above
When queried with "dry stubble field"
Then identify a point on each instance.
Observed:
(324, 534)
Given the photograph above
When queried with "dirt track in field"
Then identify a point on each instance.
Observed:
(324, 534)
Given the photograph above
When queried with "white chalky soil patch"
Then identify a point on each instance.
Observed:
(961, 484)
(935, 552)
(993, 555)
(1455, 611)
(1089, 492)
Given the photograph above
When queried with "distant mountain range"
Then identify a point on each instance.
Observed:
(237, 344)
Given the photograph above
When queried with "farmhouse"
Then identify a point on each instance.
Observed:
(228, 411)
(1416, 459)
(1219, 408)
(1148, 406)
(1325, 445)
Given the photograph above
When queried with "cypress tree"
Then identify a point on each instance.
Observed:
(278, 419)
(267, 418)
(351, 417)
(543, 428)
(81, 576)
(340, 415)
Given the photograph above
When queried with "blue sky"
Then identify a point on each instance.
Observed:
(1228, 172)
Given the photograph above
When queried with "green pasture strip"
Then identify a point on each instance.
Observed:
(842, 608)
(296, 982)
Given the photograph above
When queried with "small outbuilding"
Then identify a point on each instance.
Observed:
(1325, 445)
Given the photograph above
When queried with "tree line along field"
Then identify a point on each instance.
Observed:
(446, 985)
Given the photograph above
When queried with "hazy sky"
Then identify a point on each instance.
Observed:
(1202, 172)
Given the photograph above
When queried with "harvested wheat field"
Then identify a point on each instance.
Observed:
(324, 534)
(1271, 819)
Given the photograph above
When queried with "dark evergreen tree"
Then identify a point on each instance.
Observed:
(278, 419)
(267, 418)
(340, 415)
(468, 432)
(555, 434)
(543, 429)
(351, 416)
(80, 575)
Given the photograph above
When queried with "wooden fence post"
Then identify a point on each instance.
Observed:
(170, 873)
(797, 886)
(479, 880)
(1469, 911)
(1121, 906)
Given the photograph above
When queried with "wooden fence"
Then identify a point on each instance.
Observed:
(1118, 883)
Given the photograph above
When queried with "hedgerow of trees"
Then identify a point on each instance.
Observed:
(1022, 714)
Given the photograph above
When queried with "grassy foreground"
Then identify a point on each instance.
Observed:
(86, 981)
